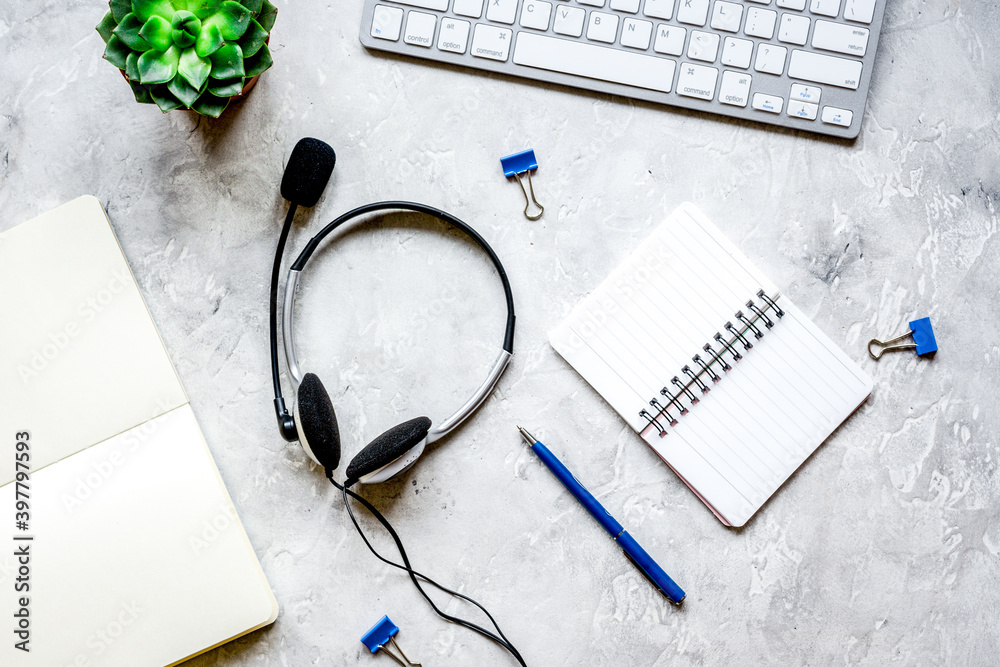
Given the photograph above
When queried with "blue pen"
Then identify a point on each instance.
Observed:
(635, 553)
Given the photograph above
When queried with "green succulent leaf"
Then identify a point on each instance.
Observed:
(164, 98)
(107, 26)
(252, 39)
(252, 5)
(209, 40)
(203, 8)
(147, 8)
(141, 93)
(156, 30)
(194, 69)
(129, 32)
(225, 88)
(120, 9)
(183, 91)
(210, 105)
(132, 67)
(232, 19)
(186, 28)
(259, 62)
(227, 62)
(159, 66)
(268, 12)
(117, 52)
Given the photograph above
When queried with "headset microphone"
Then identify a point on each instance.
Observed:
(308, 171)
(306, 175)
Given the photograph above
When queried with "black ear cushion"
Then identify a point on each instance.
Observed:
(388, 447)
(317, 421)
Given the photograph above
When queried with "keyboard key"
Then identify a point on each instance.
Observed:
(862, 11)
(669, 40)
(804, 110)
(501, 11)
(825, 69)
(491, 42)
(420, 29)
(794, 29)
(471, 8)
(569, 21)
(761, 2)
(737, 52)
(658, 9)
(841, 38)
(636, 34)
(770, 59)
(387, 22)
(630, 6)
(802, 93)
(768, 103)
(694, 12)
(792, 4)
(594, 62)
(592, 3)
(454, 36)
(835, 116)
(825, 7)
(437, 5)
(704, 46)
(602, 27)
(535, 14)
(726, 16)
(760, 23)
(697, 81)
(735, 88)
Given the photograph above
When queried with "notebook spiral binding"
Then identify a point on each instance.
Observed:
(681, 389)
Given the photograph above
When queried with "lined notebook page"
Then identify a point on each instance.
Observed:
(751, 430)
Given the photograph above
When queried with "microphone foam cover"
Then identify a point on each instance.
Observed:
(317, 422)
(308, 171)
(388, 447)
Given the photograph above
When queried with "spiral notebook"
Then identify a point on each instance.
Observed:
(730, 383)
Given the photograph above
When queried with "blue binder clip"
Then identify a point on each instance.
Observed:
(521, 164)
(923, 340)
(383, 633)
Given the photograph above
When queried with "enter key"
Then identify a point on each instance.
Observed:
(841, 38)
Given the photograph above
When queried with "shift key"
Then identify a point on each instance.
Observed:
(436, 5)
(830, 70)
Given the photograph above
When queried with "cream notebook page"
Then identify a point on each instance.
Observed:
(737, 442)
(137, 556)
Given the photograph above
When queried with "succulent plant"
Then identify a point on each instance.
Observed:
(188, 54)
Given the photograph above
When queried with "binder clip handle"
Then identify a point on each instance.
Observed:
(923, 340)
(518, 165)
(383, 633)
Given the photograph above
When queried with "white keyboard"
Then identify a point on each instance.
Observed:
(802, 64)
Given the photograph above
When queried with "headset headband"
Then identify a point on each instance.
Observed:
(496, 370)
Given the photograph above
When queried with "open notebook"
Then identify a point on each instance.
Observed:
(137, 557)
(700, 353)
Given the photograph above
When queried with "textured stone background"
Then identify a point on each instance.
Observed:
(884, 548)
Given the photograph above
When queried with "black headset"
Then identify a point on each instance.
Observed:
(313, 421)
